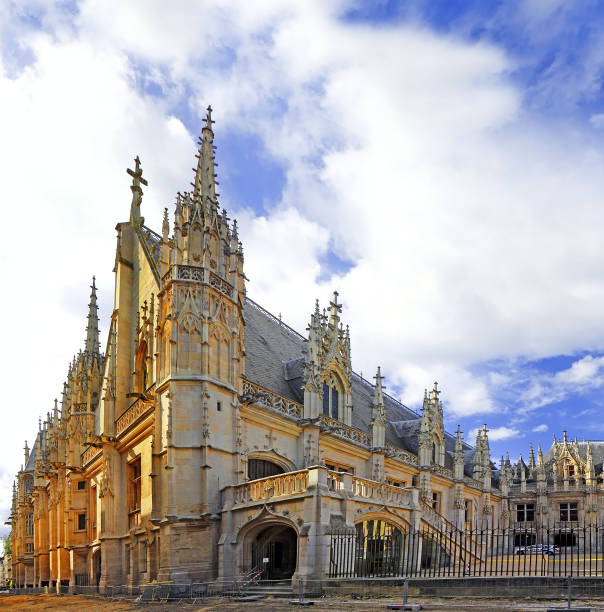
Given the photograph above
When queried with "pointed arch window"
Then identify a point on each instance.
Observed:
(141, 376)
(331, 401)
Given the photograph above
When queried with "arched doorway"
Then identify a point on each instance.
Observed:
(275, 551)
(379, 548)
(96, 567)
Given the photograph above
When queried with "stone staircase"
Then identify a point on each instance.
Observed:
(269, 588)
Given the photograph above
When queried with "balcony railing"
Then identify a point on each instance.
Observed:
(333, 483)
(346, 432)
(137, 410)
(89, 454)
(380, 492)
(262, 489)
(255, 394)
(198, 274)
(400, 454)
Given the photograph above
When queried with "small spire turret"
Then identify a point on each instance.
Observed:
(92, 329)
(205, 182)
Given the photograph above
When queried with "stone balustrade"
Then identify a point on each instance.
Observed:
(290, 483)
(346, 432)
(302, 482)
(255, 394)
(132, 414)
(198, 274)
(442, 470)
(89, 454)
(380, 492)
(472, 482)
(400, 454)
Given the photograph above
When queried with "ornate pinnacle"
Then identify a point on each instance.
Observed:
(204, 185)
(531, 457)
(378, 395)
(92, 329)
(165, 228)
(539, 455)
(458, 444)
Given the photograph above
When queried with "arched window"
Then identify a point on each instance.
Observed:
(331, 401)
(261, 468)
(141, 380)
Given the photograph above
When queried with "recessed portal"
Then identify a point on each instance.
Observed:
(275, 551)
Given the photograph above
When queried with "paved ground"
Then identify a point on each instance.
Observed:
(77, 603)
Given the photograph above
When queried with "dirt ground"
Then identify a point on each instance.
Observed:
(77, 603)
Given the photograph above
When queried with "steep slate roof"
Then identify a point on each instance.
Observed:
(32, 456)
(274, 358)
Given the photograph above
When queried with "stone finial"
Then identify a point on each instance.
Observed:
(204, 185)
(539, 456)
(531, 464)
(165, 228)
(137, 191)
(378, 395)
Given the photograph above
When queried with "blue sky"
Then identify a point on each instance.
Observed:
(437, 162)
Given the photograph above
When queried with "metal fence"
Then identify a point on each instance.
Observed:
(530, 551)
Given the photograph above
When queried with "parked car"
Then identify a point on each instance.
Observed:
(537, 549)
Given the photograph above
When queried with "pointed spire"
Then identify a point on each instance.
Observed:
(92, 329)
(25, 453)
(378, 395)
(531, 457)
(458, 442)
(137, 192)
(165, 228)
(539, 456)
(205, 175)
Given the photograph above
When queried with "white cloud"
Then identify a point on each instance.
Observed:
(597, 120)
(540, 428)
(496, 434)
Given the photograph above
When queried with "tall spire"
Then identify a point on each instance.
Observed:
(531, 457)
(205, 175)
(539, 456)
(379, 412)
(92, 329)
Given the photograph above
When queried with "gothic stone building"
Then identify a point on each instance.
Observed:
(209, 437)
(559, 492)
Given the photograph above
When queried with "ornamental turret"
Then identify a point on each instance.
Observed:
(378, 413)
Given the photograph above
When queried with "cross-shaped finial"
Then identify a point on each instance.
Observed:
(137, 174)
(208, 118)
(378, 377)
(334, 305)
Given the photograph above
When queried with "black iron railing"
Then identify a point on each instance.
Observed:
(536, 551)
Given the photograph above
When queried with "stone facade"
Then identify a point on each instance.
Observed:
(560, 491)
(209, 436)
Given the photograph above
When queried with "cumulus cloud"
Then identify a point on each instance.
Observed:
(497, 434)
(542, 389)
(540, 428)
